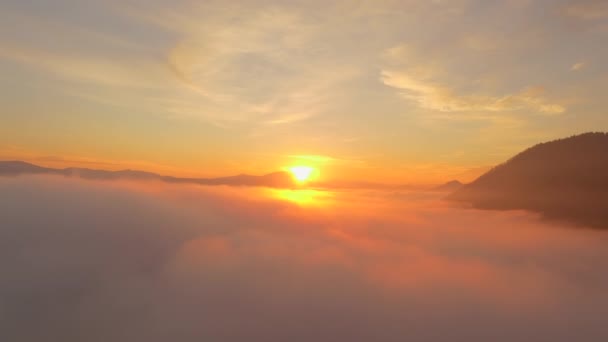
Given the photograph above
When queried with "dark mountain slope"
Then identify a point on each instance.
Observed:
(562, 179)
(452, 185)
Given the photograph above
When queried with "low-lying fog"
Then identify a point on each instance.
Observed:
(115, 261)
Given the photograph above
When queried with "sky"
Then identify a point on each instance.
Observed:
(115, 261)
(390, 91)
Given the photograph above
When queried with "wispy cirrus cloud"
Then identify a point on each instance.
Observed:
(226, 64)
(254, 62)
(587, 9)
(421, 81)
(90, 70)
(578, 66)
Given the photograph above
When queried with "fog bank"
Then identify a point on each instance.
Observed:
(116, 261)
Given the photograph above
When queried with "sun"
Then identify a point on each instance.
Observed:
(302, 173)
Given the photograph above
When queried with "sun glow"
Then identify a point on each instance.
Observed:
(304, 197)
(302, 173)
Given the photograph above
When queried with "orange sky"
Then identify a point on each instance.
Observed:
(376, 90)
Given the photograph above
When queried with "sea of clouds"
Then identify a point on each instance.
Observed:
(116, 261)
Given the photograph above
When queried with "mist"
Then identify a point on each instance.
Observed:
(87, 260)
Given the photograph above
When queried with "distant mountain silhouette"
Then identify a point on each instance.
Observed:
(272, 180)
(452, 185)
(564, 179)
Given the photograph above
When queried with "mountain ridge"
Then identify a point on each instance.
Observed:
(279, 179)
(449, 186)
(564, 179)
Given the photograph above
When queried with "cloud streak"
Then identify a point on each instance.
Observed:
(587, 9)
(420, 81)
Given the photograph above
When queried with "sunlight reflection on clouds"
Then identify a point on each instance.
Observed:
(158, 262)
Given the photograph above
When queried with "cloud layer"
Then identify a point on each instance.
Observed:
(122, 262)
